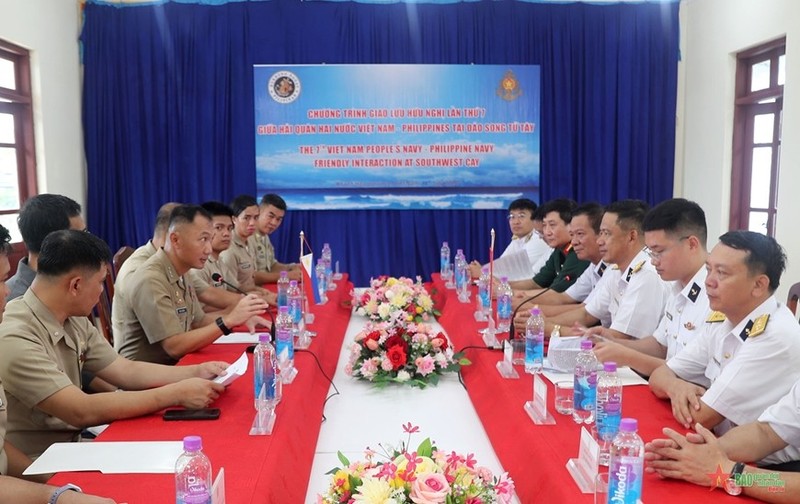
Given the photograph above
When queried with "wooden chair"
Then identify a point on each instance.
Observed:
(794, 294)
(101, 315)
(120, 257)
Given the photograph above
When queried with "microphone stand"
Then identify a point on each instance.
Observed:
(218, 278)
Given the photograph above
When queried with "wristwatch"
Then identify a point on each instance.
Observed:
(731, 486)
(62, 489)
(222, 327)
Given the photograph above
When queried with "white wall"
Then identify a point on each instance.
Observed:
(712, 32)
(50, 30)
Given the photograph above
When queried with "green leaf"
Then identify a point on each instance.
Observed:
(342, 458)
(333, 471)
(464, 361)
(425, 448)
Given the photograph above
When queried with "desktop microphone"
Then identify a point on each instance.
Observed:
(512, 329)
(218, 278)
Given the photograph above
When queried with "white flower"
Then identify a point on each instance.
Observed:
(384, 310)
(373, 491)
(403, 375)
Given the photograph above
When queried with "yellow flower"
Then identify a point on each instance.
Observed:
(409, 318)
(391, 282)
(373, 491)
(341, 475)
(419, 310)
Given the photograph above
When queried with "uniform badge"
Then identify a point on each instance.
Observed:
(632, 270)
(602, 269)
(746, 331)
(669, 315)
(181, 310)
(715, 317)
(689, 326)
(509, 88)
(759, 325)
(694, 292)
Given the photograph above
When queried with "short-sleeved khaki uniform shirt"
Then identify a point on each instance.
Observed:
(265, 252)
(3, 409)
(131, 264)
(241, 258)
(202, 278)
(158, 303)
(38, 357)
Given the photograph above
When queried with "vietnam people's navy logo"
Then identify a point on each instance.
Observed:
(284, 86)
(509, 88)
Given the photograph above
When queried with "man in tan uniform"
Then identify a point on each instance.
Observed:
(46, 340)
(270, 217)
(222, 223)
(13, 461)
(162, 319)
(240, 256)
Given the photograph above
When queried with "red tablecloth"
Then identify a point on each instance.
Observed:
(536, 455)
(258, 469)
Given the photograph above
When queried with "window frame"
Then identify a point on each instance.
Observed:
(747, 105)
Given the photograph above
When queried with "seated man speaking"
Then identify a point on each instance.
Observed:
(161, 318)
(46, 341)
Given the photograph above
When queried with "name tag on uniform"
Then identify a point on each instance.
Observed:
(182, 310)
(245, 266)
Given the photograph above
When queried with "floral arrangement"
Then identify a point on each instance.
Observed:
(425, 476)
(415, 354)
(396, 300)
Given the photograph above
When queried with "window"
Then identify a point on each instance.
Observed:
(17, 154)
(760, 74)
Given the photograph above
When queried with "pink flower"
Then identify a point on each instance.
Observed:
(504, 488)
(368, 369)
(409, 428)
(431, 488)
(372, 344)
(425, 365)
(485, 474)
(348, 369)
(386, 364)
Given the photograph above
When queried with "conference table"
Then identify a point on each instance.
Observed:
(289, 465)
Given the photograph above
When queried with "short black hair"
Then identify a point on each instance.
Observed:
(764, 254)
(185, 214)
(240, 203)
(67, 249)
(41, 215)
(217, 209)
(274, 200)
(5, 241)
(630, 213)
(162, 217)
(563, 206)
(593, 211)
(678, 216)
(523, 204)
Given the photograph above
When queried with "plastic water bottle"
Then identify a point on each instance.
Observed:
(266, 375)
(283, 289)
(327, 260)
(321, 273)
(295, 300)
(504, 306)
(193, 474)
(460, 269)
(585, 388)
(284, 338)
(609, 408)
(627, 462)
(534, 342)
(484, 292)
(444, 264)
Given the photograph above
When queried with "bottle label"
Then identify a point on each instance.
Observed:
(282, 298)
(625, 480)
(534, 349)
(264, 378)
(504, 307)
(609, 414)
(284, 345)
(484, 295)
(585, 389)
(461, 277)
(295, 310)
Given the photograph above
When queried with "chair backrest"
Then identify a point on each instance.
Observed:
(120, 257)
(794, 294)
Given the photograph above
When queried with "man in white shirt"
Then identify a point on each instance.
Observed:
(746, 357)
(526, 238)
(675, 233)
(631, 295)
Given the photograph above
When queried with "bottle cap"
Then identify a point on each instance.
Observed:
(536, 310)
(444, 244)
(610, 367)
(485, 269)
(504, 279)
(586, 344)
(460, 251)
(192, 443)
(284, 274)
(263, 338)
(293, 283)
(326, 245)
(283, 309)
(628, 425)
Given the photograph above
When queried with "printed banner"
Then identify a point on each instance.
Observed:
(397, 136)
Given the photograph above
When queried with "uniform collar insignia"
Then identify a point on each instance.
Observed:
(602, 269)
(746, 331)
(716, 317)
(632, 270)
(694, 292)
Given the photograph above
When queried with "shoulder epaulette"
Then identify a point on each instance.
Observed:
(759, 325)
(715, 317)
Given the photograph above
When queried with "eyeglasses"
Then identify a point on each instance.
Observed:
(517, 216)
(657, 255)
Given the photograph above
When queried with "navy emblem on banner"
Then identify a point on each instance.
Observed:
(509, 88)
(284, 87)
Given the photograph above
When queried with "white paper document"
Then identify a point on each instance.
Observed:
(237, 338)
(626, 376)
(233, 371)
(109, 457)
(515, 266)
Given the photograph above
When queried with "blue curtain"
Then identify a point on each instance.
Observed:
(168, 108)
